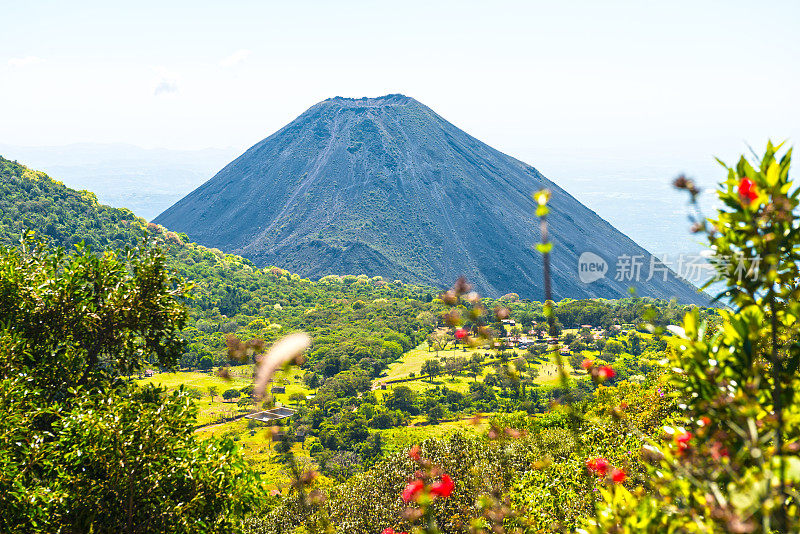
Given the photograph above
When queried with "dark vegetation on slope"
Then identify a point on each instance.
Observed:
(385, 186)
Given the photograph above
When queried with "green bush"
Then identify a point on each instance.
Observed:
(81, 449)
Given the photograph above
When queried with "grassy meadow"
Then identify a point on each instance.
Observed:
(255, 439)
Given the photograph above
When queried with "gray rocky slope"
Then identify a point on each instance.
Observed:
(385, 186)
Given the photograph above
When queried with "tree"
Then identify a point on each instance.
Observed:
(435, 413)
(635, 343)
(213, 391)
(230, 394)
(575, 360)
(474, 370)
(612, 349)
(533, 373)
(206, 363)
(732, 462)
(437, 341)
(455, 365)
(381, 420)
(312, 380)
(586, 335)
(109, 456)
(481, 391)
(391, 350)
(432, 368)
(81, 316)
(402, 398)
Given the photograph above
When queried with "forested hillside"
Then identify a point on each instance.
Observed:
(353, 318)
(31, 200)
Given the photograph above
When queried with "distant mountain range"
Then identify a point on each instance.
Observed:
(385, 186)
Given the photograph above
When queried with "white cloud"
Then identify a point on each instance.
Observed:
(165, 87)
(167, 82)
(24, 61)
(235, 58)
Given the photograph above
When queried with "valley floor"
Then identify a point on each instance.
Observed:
(218, 417)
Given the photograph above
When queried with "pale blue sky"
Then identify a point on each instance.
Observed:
(543, 81)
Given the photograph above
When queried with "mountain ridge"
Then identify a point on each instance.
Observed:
(410, 194)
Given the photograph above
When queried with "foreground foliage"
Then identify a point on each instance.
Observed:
(732, 465)
(708, 443)
(82, 449)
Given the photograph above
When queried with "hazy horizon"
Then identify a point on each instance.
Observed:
(528, 78)
(608, 100)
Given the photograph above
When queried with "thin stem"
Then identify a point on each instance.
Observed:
(778, 407)
(574, 419)
(548, 288)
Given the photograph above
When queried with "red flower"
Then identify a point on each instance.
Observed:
(444, 487)
(719, 451)
(618, 476)
(682, 439)
(747, 191)
(605, 372)
(413, 453)
(598, 466)
(390, 530)
(587, 364)
(461, 333)
(412, 490)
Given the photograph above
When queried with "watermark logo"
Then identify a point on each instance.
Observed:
(695, 268)
(591, 267)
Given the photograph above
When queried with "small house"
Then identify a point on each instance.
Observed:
(278, 389)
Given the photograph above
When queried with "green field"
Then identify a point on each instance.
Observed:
(258, 448)
(412, 361)
(401, 438)
(240, 377)
(255, 440)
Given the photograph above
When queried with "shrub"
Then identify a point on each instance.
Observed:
(81, 450)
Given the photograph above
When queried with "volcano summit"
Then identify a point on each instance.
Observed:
(385, 186)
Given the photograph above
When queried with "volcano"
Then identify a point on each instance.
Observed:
(386, 187)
